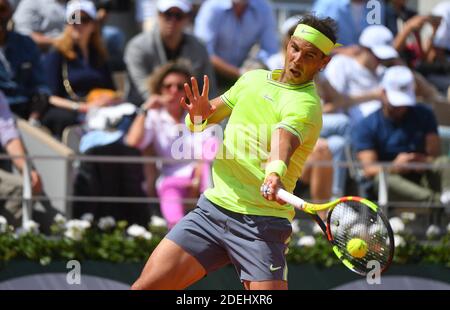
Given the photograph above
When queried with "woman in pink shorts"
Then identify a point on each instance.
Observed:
(185, 172)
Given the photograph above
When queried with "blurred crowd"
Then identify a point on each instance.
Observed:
(380, 94)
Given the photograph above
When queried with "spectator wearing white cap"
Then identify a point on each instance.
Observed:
(76, 66)
(381, 41)
(358, 74)
(76, 8)
(167, 41)
(403, 132)
(44, 22)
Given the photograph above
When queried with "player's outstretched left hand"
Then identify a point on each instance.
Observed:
(199, 107)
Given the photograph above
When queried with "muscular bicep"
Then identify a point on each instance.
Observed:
(222, 111)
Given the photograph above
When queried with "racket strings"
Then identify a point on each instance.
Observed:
(353, 219)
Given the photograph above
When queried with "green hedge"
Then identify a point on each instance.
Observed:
(121, 243)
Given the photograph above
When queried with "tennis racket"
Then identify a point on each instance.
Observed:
(349, 218)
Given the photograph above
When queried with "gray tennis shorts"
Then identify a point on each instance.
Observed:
(255, 245)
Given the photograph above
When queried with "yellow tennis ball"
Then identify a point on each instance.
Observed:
(357, 247)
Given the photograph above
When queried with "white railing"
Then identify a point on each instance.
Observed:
(28, 198)
(27, 194)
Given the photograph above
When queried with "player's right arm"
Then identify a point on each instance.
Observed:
(283, 145)
(200, 108)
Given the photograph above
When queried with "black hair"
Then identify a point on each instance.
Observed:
(327, 25)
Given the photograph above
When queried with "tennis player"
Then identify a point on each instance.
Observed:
(241, 220)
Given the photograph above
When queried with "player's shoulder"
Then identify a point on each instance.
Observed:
(254, 76)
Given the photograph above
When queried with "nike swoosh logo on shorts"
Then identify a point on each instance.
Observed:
(272, 268)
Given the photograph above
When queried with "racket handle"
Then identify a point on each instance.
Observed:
(290, 199)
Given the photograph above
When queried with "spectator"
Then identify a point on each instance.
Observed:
(409, 42)
(159, 125)
(42, 20)
(230, 29)
(357, 74)
(403, 132)
(351, 16)
(378, 37)
(436, 68)
(166, 42)
(10, 184)
(75, 67)
(20, 70)
(406, 26)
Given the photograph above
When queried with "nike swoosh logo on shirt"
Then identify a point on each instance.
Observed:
(268, 98)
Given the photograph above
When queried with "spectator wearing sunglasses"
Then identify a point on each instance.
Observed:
(167, 41)
(44, 21)
(159, 125)
(76, 66)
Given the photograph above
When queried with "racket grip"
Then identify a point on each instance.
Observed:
(290, 199)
